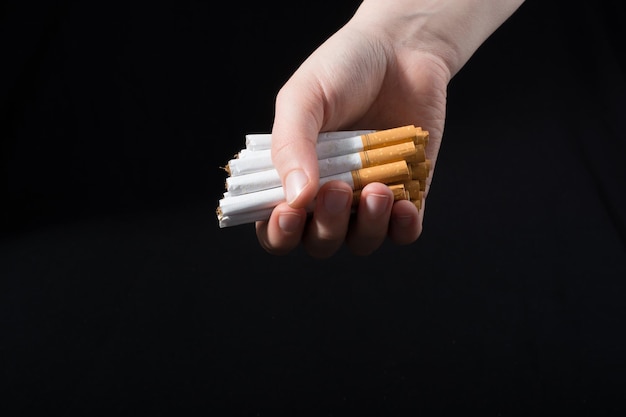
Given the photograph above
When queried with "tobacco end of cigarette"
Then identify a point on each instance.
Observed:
(226, 168)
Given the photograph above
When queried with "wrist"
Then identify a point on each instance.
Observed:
(451, 30)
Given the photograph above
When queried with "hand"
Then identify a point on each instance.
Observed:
(386, 68)
(390, 89)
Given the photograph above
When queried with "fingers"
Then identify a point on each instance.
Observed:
(334, 223)
(294, 138)
(405, 225)
(322, 235)
(379, 217)
(371, 224)
(327, 230)
(283, 231)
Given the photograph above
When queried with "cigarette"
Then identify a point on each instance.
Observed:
(421, 136)
(419, 201)
(243, 218)
(255, 161)
(262, 180)
(244, 153)
(249, 162)
(395, 157)
(399, 193)
(421, 170)
(261, 141)
(257, 142)
(413, 188)
(386, 173)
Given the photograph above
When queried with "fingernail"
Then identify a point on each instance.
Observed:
(377, 204)
(289, 222)
(294, 184)
(336, 200)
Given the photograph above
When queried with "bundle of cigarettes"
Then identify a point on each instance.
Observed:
(395, 157)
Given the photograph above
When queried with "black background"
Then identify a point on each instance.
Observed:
(120, 295)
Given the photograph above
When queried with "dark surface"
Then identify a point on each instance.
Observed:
(121, 296)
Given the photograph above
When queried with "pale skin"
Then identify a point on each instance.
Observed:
(389, 66)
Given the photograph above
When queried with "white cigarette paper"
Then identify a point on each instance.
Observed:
(269, 198)
(245, 217)
(262, 180)
(399, 192)
(260, 141)
(395, 157)
(255, 161)
(393, 171)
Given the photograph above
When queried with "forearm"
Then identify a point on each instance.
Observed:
(451, 29)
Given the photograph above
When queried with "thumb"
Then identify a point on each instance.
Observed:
(297, 123)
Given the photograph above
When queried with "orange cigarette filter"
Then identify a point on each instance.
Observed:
(387, 173)
(421, 136)
(406, 150)
(421, 170)
(420, 155)
(399, 193)
(389, 137)
(413, 187)
(419, 201)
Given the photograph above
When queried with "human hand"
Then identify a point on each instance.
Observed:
(383, 93)
(371, 74)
